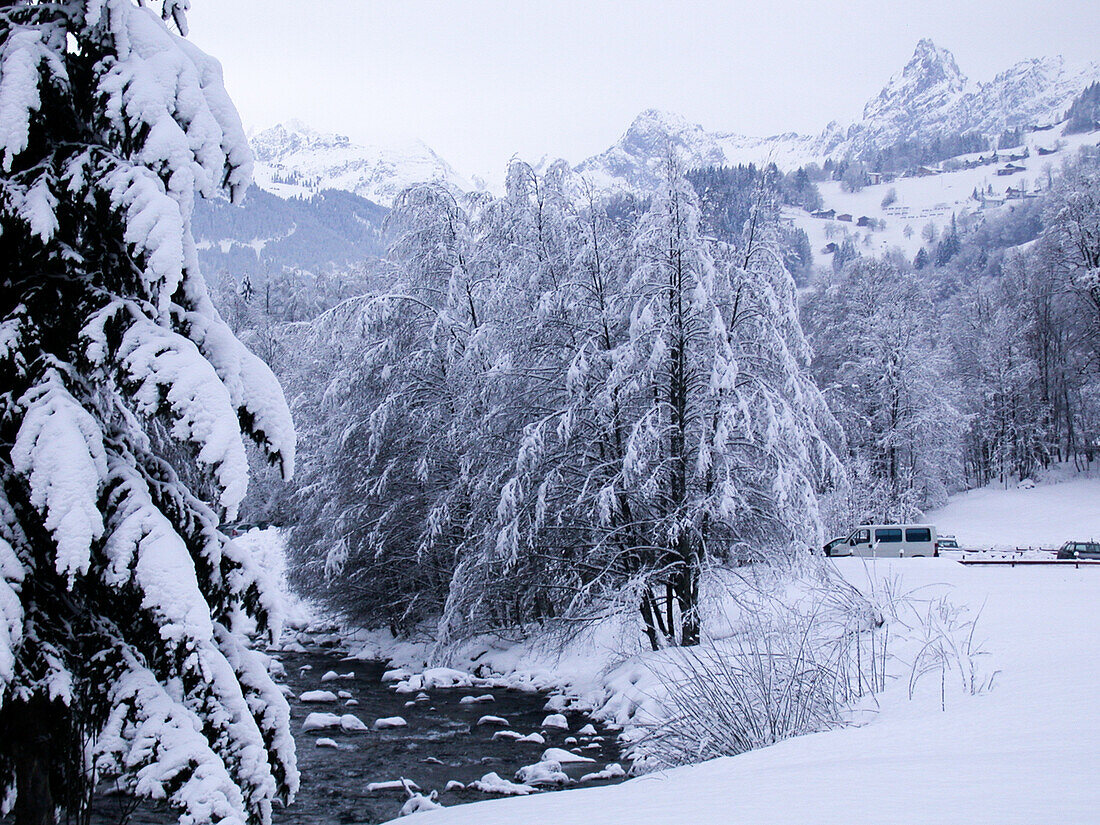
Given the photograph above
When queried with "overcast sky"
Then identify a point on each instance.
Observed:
(481, 80)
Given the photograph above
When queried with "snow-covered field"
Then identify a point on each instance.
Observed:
(1016, 752)
(1045, 515)
(1021, 752)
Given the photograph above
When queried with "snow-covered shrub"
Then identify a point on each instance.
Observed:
(797, 656)
(942, 642)
(805, 651)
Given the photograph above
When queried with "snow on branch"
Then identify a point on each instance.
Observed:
(253, 388)
(144, 547)
(168, 369)
(267, 704)
(11, 612)
(158, 744)
(59, 450)
(22, 54)
(171, 92)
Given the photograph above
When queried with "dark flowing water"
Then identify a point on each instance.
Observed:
(442, 742)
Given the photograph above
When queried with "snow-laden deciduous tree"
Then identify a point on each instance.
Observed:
(1071, 239)
(417, 408)
(874, 332)
(560, 403)
(681, 427)
(124, 401)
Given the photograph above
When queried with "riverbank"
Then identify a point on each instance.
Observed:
(357, 738)
(1014, 752)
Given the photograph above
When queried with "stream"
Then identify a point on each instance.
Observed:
(442, 742)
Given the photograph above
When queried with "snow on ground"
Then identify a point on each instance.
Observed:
(268, 549)
(1020, 753)
(1045, 515)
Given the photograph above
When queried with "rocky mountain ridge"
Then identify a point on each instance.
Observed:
(295, 160)
(929, 99)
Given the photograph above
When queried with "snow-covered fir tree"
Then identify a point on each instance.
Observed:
(124, 402)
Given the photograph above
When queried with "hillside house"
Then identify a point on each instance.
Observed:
(827, 215)
(1021, 193)
(845, 217)
(1010, 169)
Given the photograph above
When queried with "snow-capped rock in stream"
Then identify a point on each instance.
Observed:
(352, 724)
(317, 696)
(474, 700)
(563, 756)
(324, 721)
(418, 802)
(321, 721)
(556, 703)
(495, 783)
(556, 720)
(611, 771)
(388, 722)
(542, 774)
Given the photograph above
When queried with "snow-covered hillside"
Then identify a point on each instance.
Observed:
(1018, 753)
(936, 196)
(1045, 515)
(293, 159)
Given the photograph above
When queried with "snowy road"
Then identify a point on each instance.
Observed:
(1024, 753)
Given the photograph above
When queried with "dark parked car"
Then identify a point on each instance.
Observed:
(1079, 550)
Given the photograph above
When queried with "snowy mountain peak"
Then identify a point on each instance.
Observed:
(930, 78)
(930, 61)
(294, 159)
(931, 99)
(660, 121)
(654, 129)
(635, 160)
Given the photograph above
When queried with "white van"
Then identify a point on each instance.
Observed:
(886, 541)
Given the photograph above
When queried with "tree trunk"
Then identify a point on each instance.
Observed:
(687, 594)
(649, 619)
(34, 803)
